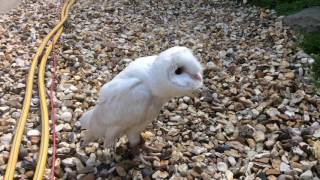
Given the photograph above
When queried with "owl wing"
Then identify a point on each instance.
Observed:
(115, 89)
(122, 103)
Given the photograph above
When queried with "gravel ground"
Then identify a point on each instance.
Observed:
(258, 120)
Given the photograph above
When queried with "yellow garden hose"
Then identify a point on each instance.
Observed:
(41, 165)
(13, 157)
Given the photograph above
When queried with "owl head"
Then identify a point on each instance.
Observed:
(177, 72)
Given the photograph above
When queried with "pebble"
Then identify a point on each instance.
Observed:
(15, 115)
(222, 167)
(69, 162)
(229, 128)
(59, 127)
(273, 172)
(284, 167)
(63, 150)
(160, 174)
(91, 160)
(35, 139)
(6, 139)
(259, 136)
(306, 175)
(316, 133)
(199, 150)
(4, 108)
(121, 171)
(296, 150)
(28, 174)
(272, 112)
(183, 168)
(246, 131)
(66, 116)
(258, 107)
(232, 161)
(211, 66)
(33, 132)
(89, 177)
(229, 175)
(285, 177)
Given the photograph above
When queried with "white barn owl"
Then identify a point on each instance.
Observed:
(133, 99)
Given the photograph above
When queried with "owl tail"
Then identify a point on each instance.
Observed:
(85, 119)
(85, 122)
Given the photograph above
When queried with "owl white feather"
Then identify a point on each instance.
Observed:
(133, 99)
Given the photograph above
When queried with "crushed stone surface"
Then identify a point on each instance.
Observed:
(259, 117)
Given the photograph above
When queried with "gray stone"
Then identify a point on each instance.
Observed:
(246, 131)
(211, 66)
(317, 133)
(232, 161)
(259, 136)
(91, 161)
(306, 175)
(272, 112)
(296, 150)
(69, 162)
(59, 127)
(15, 115)
(6, 139)
(33, 132)
(63, 150)
(198, 150)
(284, 167)
(4, 108)
(183, 168)
(229, 175)
(222, 166)
(229, 128)
(307, 20)
(66, 116)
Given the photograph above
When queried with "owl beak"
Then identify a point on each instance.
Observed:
(197, 77)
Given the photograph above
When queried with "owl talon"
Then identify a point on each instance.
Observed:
(150, 148)
(142, 159)
(135, 151)
(109, 144)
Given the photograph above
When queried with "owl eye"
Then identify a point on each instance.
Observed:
(178, 71)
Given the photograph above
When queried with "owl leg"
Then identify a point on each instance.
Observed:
(135, 139)
(109, 143)
(110, 138)
(135, 142)
(87, 138)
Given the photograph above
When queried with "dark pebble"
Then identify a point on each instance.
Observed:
(146, 172)
(222, 148)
